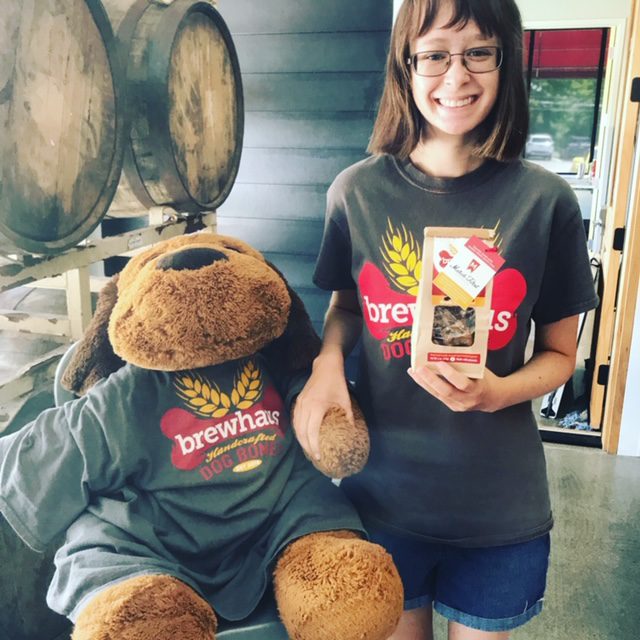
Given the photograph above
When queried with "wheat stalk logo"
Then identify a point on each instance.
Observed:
(402, 258)
(247, 387)
(497, 237)
(206, 399)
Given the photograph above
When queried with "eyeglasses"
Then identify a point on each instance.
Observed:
(436, 63)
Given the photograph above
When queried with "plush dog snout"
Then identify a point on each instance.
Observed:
(192, 259)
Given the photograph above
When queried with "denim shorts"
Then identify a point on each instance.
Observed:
(487, 588)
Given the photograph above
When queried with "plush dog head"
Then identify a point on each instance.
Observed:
(194, 301)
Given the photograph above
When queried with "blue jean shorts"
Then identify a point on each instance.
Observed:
(488, 588)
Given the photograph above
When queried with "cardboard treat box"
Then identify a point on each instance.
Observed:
(453, 309)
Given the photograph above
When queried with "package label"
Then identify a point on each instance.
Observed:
(468, 272)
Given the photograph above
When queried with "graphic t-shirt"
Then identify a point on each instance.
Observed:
(470, 478)
(195, 474)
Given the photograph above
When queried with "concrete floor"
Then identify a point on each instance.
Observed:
(593, 590)
(594, 581)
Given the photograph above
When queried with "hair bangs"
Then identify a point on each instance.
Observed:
(463, 12)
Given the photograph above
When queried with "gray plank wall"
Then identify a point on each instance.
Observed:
(312, 78)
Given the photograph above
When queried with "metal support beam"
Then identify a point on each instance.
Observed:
(78, 301)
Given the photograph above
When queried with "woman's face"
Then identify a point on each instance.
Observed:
(455, 103)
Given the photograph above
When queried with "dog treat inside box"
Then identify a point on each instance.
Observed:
(453, 311)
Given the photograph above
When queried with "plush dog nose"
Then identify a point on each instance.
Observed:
(190, 259)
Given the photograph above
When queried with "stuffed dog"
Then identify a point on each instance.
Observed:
(178, 479)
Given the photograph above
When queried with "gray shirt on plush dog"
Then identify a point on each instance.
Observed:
(194, 474)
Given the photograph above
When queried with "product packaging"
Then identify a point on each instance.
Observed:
(453, 310)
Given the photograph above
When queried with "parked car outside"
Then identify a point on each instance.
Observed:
(539, 146)
(577, 146)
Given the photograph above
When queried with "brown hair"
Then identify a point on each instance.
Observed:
(398, 125)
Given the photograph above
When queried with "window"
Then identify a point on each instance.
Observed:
(564, 72)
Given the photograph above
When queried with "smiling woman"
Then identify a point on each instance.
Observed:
(446, 151)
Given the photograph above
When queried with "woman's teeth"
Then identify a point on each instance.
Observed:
(456, 103)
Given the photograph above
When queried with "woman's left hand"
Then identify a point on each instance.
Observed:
(458, 392)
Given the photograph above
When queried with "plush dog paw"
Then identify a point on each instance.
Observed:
(151, 607)
(344, 447)
(334, 585)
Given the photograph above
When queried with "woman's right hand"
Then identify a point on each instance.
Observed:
(325, 388)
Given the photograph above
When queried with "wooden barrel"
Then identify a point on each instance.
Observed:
(61, 123)
(163, 95)
(185, 105)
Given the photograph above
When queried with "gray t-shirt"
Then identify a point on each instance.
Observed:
(194, 474)
(472, 478)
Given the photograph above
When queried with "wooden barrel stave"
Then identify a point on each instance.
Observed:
(204, 167)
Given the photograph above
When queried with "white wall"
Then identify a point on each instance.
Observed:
(629, 444)
(567, 10)
(630, 430)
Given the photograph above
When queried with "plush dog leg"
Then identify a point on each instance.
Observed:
(333, 586)
(152, 607)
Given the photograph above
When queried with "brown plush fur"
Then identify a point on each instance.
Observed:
(335, 586)
(180, 309)
(222, 317)
(344, 447)
(299, 344)
(94, 358)
(152, 607)
(339, 457)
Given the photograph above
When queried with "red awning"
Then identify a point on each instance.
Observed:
(565, 53)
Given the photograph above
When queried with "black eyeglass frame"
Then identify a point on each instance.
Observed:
(412, 60)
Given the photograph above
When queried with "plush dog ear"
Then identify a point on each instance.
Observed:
(93, 357)
(296, 348)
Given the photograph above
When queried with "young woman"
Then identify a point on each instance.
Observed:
(455, 487)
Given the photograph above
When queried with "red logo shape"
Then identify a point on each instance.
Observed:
(383, 308)
(509, 290)
(473, 265)
(193, 437)
(445, 256)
